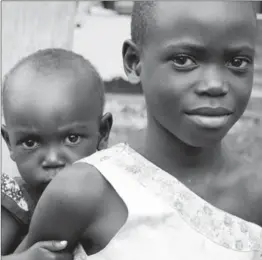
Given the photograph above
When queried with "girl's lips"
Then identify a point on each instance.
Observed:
(210, 111)
(210, 122)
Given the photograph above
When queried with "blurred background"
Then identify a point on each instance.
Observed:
(96, 30)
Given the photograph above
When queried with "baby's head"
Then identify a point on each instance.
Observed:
(53, 108)
(195, 63)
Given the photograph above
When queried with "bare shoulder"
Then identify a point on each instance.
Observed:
(73, 200)
(80, 187)
(80, 177)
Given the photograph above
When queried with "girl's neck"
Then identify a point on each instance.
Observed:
(179, 159)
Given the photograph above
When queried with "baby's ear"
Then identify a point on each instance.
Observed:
(131, 61)
(106, 123)
(5, 136)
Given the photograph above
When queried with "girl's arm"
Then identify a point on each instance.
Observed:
(68, 206)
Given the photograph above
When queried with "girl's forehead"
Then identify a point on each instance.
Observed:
(219, 12)
(204, 22)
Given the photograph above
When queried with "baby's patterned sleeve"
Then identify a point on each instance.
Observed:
(13, 200)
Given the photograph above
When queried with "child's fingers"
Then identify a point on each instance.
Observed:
(52, 246)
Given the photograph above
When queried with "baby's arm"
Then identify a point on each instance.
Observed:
(68, 206)
(15, 221)
(15, 214)
(10, 232)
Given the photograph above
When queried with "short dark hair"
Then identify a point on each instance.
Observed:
(141, 20)
(48, 61)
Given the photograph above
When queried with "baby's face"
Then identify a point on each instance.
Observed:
(197, 67)
(52, 122)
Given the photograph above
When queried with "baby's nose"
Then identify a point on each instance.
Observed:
(53, 159)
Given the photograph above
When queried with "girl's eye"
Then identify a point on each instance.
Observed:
(30, 144)
(72, 139)
(239, 63)
(183, 61)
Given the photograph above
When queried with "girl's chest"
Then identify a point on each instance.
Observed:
(238, 194)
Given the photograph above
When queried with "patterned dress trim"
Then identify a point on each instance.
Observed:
(220, 227)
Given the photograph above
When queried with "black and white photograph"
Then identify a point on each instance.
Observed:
(131, 130)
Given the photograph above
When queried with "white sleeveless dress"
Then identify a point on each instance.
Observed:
(166, 220)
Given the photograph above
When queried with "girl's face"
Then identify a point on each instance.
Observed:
(197, 68)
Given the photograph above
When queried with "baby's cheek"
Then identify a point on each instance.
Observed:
(28, 168)
(87, 147)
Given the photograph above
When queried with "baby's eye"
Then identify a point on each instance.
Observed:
(239, 63)
(183, 61)
(73, 139)
(30, 144)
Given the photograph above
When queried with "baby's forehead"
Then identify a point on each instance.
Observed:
(27, 86)
(29, 79)
(29, 71)
(43, 95)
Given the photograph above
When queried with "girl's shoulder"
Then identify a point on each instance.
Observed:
(15, 199)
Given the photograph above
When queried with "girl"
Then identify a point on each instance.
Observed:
(183, 195)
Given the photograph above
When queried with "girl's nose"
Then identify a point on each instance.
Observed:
(213, 84)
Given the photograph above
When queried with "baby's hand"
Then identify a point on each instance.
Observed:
(48, 250)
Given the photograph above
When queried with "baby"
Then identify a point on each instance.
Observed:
(53, 103)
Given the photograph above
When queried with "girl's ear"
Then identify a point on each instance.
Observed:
(131, 61)
(106, 123)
